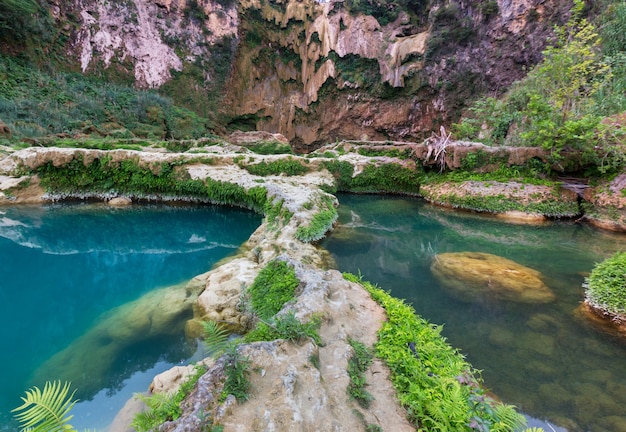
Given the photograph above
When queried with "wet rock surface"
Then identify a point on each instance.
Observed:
(473, 276)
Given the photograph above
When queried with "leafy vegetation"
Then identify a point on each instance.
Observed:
(47, 410)
(103, 176)
(274, 286)
(236, 368)
(276, 215)
(287, 327)
(559, 105)
(358, 363)
(289, 166)
(436, 385)
(606, 285)
(389, 177)
(36, 104)
(320, 224)
(164, 407)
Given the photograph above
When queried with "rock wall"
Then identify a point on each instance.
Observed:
(313, 71)
(317, 72)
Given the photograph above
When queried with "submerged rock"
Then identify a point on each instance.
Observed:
(610, 324)
(472, 276)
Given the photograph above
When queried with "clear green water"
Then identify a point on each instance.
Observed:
(539, 357)
(67, 270)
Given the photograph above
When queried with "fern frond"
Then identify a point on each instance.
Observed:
(215, 337)
(47, 410)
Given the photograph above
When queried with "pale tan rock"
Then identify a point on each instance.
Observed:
(220, 300)
(119, 202)
(171, 380)
(472, 276)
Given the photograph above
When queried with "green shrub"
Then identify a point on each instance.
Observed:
(439, 389)
(164, 407)
(35, 104)
(606, 285)
(275, 285)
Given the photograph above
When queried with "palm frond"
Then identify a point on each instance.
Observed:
(215, 337)
(47, 410)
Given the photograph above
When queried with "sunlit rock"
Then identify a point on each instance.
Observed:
(472, 276)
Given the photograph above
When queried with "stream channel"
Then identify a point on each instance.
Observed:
(539, 357)
(70, 279)
(68, 271)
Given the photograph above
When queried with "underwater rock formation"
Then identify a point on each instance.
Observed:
(472, 276)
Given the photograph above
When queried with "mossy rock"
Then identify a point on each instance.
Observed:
(474, 276)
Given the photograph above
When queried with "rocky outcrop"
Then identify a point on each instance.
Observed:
(145, 38)
(379, 81)
(314, 71)
(607, 204)
(614, 325)
(475, 276)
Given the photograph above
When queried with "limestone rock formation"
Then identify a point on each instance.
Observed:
(475, 276)
(221, 298)
(607, 209)
(312, 71)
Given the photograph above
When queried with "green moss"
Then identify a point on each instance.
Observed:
(502, 204)
(606, 286)
(274, 286)
(438, 388)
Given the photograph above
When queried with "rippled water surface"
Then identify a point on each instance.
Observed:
(69, 275)
(540, 357)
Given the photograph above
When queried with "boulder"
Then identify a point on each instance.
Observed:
(472, 276)
(119, 202)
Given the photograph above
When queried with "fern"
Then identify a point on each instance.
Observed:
(47, 410)
(215, 337)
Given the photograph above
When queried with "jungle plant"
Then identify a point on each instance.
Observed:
(559, 104)
(289, 166)
(272, 288)
(436, 385)
(320, 224)
(47, 410)
(606, 285)
(358, 363)
(286, 326)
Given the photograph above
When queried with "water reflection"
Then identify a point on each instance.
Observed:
(537, 356)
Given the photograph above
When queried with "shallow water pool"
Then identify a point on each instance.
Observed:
(71, 277)
(540, 357)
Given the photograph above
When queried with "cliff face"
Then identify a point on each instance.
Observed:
(317, 72)
(314, 71)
